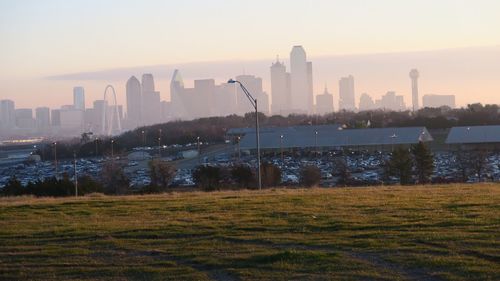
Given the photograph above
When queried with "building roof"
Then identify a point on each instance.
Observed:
(334, 136)
(474, 134)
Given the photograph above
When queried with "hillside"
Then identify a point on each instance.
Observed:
(386, 233)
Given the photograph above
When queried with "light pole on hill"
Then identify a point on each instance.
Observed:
(253, 101)
(55, 158)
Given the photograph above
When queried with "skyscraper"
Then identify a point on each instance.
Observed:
(179, 106)
(254, 86)
(346, 93)
(301, 81)
(151, 106)
(280, 89)
(134, 103)
(42, 118)
(414, 88)
(7, 114)
(324, 102)
(148, 83)
(79, 98)
(366, 102)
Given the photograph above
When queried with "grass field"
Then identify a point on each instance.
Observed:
(384, 233)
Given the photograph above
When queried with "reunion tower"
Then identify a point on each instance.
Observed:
(414, 88)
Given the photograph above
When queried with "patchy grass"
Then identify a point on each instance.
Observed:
(382, 233)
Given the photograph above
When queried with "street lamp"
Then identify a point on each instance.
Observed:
(159, 144)
(198, 144)
(76, 176)
(112, 151)
(96, 142)
(316, 142)
(393, 137)
(55, 158)
(281, 148)
(253, 101)
(143, 145)
(239, 150)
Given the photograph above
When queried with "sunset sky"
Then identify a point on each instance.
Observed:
(51, 38)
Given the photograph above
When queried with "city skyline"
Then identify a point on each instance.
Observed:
(45, 42)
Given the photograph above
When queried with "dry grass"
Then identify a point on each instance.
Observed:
(381, 233)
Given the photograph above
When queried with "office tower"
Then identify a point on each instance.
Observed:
(254, 86)
(225, 99)
(310, 95)
(301, 81)
(205, 93)
(24, 118)
(414, 88)
(42, 118)
(79, 98)
(72, 119)
(179, 106)
(134, 103)
(7, 114)
(99, 115)
(438, 100)
(391, 101)
(55, 117)
(148, 83)
(346, 93)
(366, 102)
(280, 89)
(324, 102)
(151, 107)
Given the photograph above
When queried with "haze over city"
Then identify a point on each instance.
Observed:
(51, 46)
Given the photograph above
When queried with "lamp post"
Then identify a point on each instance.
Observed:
(393, 137)
(143, 144)
(198, 144)
(253, 101)
(76, 176)
(159, 144)
(239, 151)
(316, 142)
(281, 149)
(96, 142)
(112, 151)
(55, 159)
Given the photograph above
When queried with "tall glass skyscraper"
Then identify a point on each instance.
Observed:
(79, 98)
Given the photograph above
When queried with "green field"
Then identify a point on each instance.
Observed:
(384, 233)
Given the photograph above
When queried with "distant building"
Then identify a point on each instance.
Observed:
(280, 89)
(7, 115)
(346, 93)
(134, 103)
(79, 98)
(205, 94)
(98, 120)
(72, 120)
(151, 107)
(414, 88)
(24, 118)
(301, 81)
(225, 99)
(55, 118)
(366, 102)
(42, 117)
(324, 102)
(254, 86)
(438, 100)
(391, 101)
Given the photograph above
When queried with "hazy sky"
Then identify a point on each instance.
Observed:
(52, 37)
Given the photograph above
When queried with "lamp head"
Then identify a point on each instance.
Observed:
(231, 81)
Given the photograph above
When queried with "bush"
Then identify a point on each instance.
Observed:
(161, 173)
(207, 177)
(310, 176)
(243, 176)
(271, 174)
